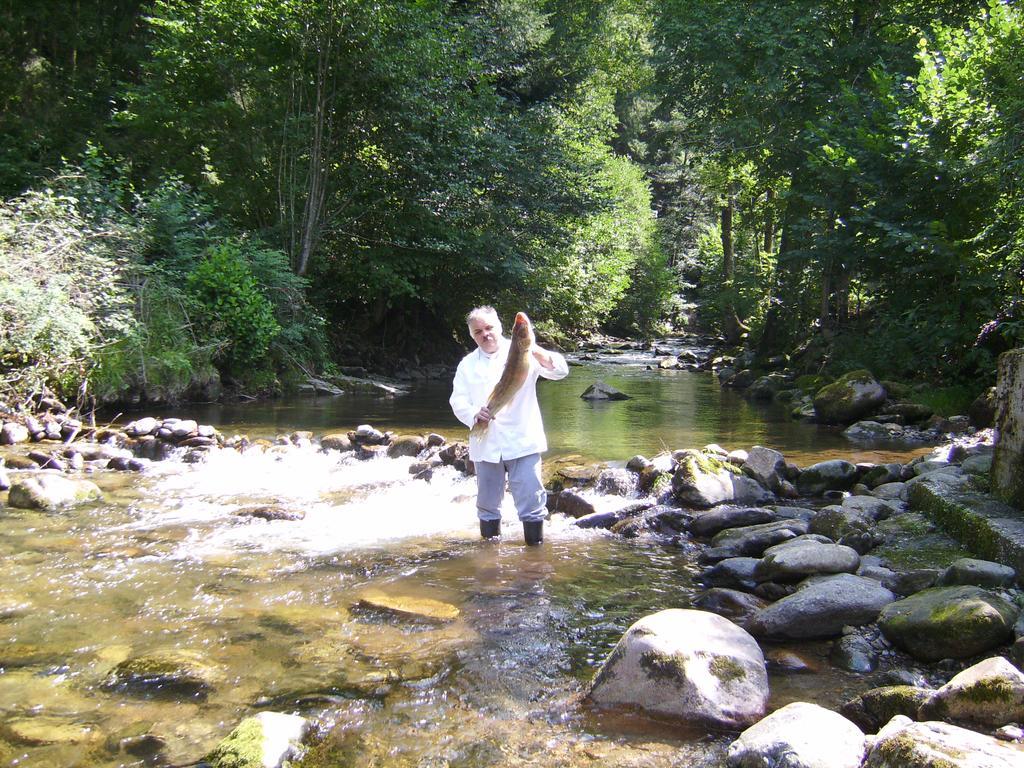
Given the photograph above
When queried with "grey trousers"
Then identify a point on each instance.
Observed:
(523, 481)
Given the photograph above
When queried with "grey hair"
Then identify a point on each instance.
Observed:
(482, 312)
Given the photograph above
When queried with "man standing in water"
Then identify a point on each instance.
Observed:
(511, 440)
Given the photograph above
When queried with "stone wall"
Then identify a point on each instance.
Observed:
(1008, 464)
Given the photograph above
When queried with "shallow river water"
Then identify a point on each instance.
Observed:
(269, 608)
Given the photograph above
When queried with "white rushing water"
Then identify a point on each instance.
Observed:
(346, 503)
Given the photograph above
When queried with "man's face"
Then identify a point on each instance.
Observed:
(485, 331)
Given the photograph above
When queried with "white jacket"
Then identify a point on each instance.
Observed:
(517, 430)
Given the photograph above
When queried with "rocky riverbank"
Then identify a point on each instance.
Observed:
(832, 552)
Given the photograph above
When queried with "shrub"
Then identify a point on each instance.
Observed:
(63, 293)
(233, 312)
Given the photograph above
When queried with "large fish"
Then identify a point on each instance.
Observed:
(517, 369)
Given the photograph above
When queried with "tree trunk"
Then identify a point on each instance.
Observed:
(769, 222)
(779, 320)
(732, 327)
(316, 187)
(843, 280)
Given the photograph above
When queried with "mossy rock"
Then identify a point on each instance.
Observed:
(989, 694)
(267, 739)
(873, 709)
(406, 445)
(848, 398)
(167, 672)
(948, 622)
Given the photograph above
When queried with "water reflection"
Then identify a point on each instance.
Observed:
(668, 409)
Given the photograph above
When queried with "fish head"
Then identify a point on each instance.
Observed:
(522, 332)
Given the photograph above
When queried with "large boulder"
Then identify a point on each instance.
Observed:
(948, 622)
(265, 740)
(848, 398)
(906, 744)
(691, 665)
(799, 735)
(831, 475)
(767, 466)
(821, 607)
(702, 480)
(50, 492)
(796, 560)
(989, 694)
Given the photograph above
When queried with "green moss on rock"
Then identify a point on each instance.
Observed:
(663, 667)
(726, 669)
(243, 747)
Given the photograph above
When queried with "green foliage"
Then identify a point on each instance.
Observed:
(948, 401)
(874, 142)
(62, 293)
(232, 311)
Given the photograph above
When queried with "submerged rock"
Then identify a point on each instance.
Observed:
(730, 603)
(44, 729)
(799, 735)
(407, 607)
(50, 492)
(693, 665)
(271, 512)
(172, 671)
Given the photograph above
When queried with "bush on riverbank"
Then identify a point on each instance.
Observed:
(114, 294)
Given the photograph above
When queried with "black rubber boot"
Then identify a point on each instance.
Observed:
(490, 529)
(533, 532)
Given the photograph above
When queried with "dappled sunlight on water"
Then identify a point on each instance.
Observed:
(273, 612)
(270, 609)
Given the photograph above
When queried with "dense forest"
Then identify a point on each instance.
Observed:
(207, 191)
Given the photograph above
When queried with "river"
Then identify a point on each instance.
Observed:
(270, 607)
